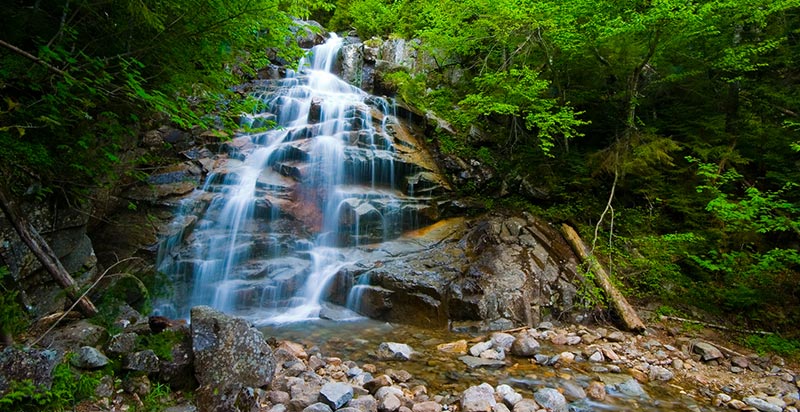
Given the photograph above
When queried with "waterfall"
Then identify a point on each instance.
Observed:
(285, 207)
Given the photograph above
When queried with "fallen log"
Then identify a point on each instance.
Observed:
(44, 253)
(630, 320)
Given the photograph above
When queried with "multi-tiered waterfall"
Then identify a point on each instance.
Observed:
(268, 235)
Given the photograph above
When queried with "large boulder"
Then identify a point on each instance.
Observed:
(495, 267)
(707, 351)
(35, 365)
(551, 399)
(88, 357)
(479, 398)
(308, 33)
(335, 394)
(229, 351)
(75, 335)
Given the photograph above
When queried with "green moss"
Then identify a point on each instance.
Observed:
(159, 398)
(160, 343)
(13, 319)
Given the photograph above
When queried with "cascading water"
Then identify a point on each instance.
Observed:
(288, 203)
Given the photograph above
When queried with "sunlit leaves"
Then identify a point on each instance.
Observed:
(521, 92)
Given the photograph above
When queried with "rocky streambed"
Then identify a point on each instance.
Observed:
(222, 363)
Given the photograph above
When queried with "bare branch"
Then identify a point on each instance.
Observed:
(35, 59)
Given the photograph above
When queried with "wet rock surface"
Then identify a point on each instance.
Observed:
(637, 372)
(493, 268)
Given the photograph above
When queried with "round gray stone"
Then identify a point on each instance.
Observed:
(551, 399)
(318, 407)
(525, 345)
(335, 394)
(88, 357)
(478, 398)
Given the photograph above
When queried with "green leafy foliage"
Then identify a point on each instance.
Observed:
(518, 92)
(159, 398)
(764, 344)
(590, 296)
(68, 388)
(77, 79)
(160, 343)
(688, 109)
(13, 319)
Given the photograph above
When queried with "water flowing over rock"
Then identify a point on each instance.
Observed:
(341, 206)
(280, 206)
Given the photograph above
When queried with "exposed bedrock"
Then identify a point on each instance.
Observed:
(496, 268)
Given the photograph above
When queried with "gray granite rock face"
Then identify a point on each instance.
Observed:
(229, 350)
(335, 394)
(26, 364)
(88, 357)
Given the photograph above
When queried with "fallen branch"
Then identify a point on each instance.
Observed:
(85, 293)
(41, 249)
(627, 314)
(35, 59)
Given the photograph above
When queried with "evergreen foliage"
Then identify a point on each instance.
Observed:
(78, 78)
(688, 111)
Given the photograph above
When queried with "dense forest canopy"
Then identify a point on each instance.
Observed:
(78, 77)
(668, 129)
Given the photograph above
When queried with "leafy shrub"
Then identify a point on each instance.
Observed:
(67, 390)
(13, 319)
(160, 343)
(764, 344)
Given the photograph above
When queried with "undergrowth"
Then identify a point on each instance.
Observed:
(68, 388)
(763, 344)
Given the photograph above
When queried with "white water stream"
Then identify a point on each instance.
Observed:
(286, 202)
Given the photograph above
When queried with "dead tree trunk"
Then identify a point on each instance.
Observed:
(43, 252)
(618, 302)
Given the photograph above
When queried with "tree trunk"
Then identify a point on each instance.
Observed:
(618, 302)
(43, 252)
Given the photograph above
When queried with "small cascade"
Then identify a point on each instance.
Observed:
(285, 208)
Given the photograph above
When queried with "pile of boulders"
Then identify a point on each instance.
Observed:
(701, 368)
(230, 366)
